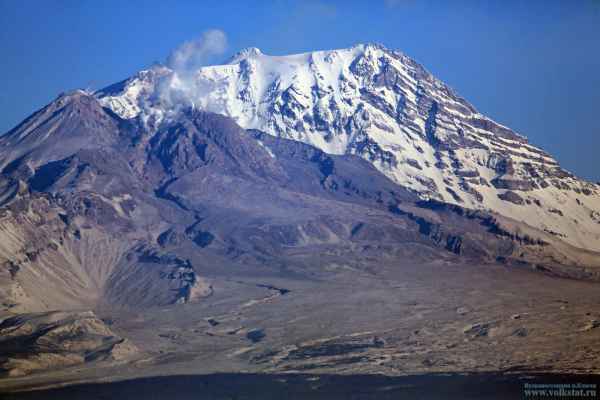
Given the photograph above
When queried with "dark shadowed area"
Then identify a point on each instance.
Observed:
(477, 386)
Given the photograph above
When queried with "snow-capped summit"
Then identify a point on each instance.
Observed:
(381, 105)
(248, 52)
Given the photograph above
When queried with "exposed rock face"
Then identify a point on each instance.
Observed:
(71, 123)
(32, 342)
(511, 197)
(153, 278)
(386, 108)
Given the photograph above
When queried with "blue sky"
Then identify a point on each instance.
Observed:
(531, 65)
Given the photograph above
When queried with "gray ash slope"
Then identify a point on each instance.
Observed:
(101, 211)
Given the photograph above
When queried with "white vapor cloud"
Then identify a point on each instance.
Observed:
(196, 53)
(182, 86)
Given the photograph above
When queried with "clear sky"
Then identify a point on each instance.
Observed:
(531, 65)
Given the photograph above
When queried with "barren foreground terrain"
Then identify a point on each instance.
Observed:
(430, 323)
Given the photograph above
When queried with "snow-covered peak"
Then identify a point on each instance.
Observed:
(380, 104)
(244, 54)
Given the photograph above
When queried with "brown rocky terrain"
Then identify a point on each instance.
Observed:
(43, 341)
